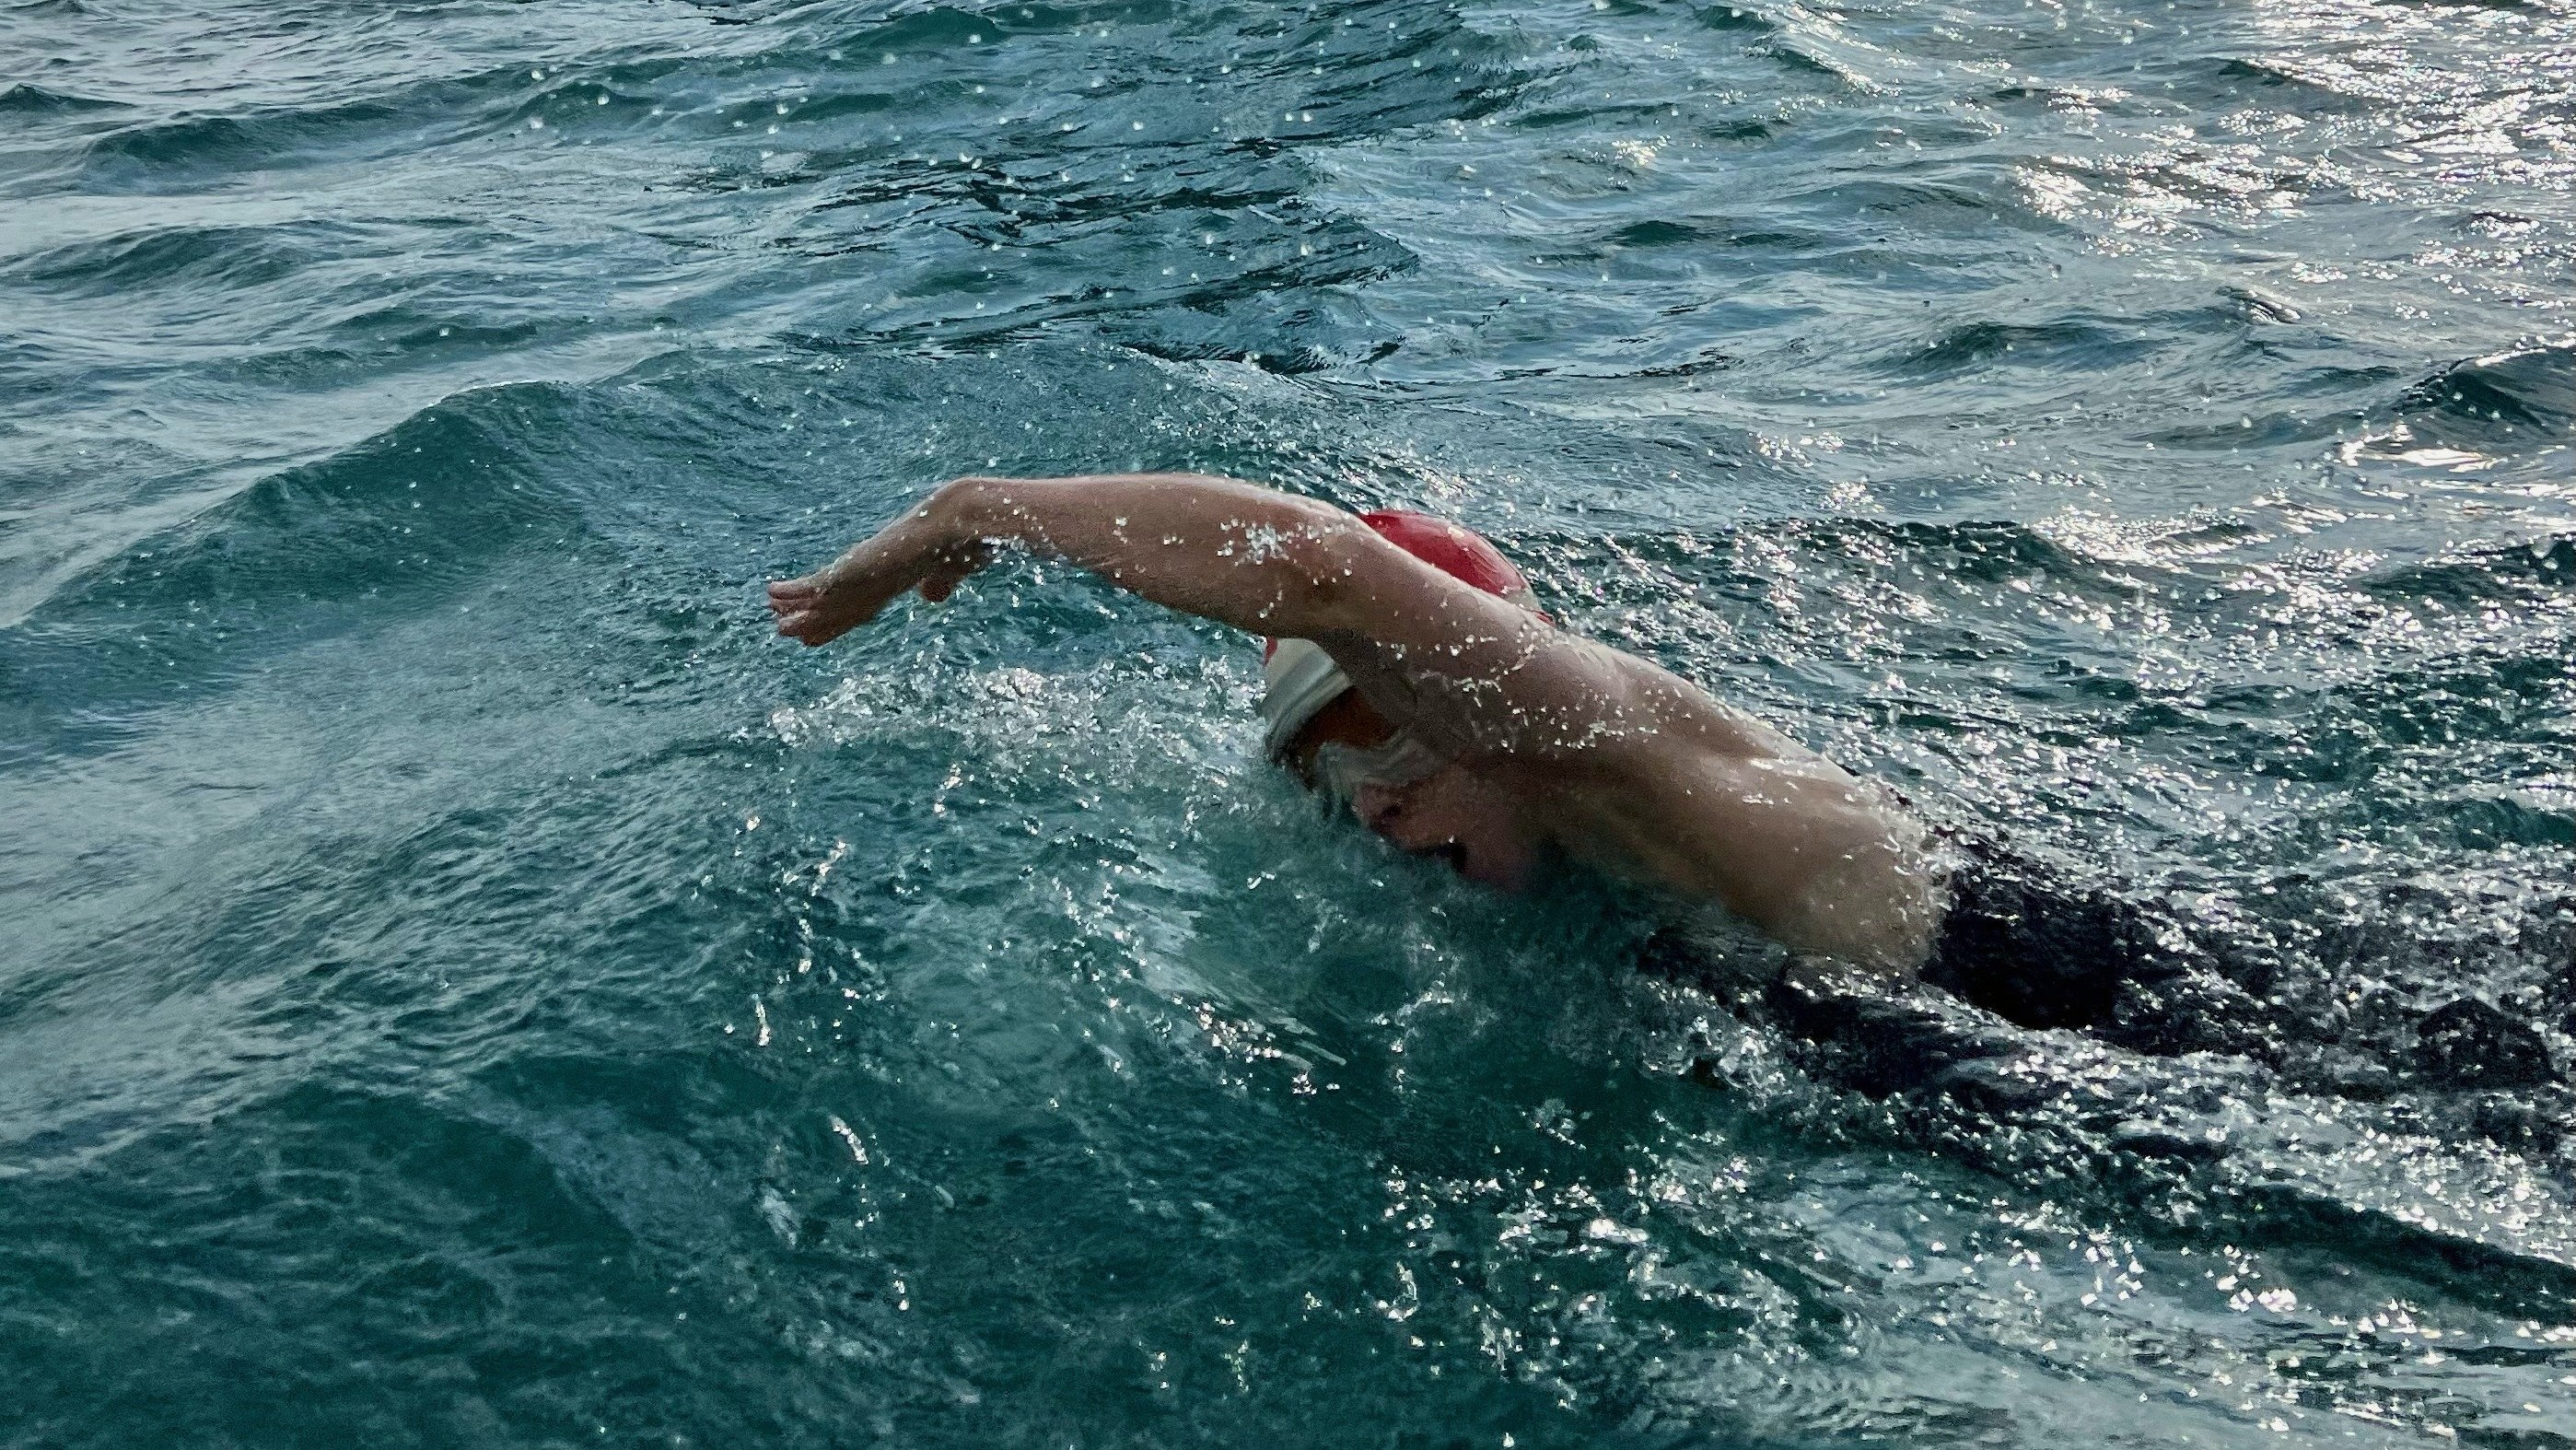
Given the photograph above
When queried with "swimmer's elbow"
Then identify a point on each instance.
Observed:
(1321, 570)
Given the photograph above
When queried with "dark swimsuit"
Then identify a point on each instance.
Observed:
(2022, 942)
(2032, 946)
(2040, 949)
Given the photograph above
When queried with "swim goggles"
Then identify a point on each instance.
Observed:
(1400, 761)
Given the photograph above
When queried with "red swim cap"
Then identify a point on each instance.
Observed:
(1300, 679)
(1453, 549)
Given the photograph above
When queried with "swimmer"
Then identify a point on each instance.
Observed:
(1411, 675)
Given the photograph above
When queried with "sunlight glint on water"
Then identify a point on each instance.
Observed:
(467, 985)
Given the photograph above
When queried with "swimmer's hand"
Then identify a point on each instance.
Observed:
(915, 552)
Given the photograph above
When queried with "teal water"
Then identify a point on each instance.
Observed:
(465, 984)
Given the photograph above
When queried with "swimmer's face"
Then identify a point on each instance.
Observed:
(1455, 816)
(1451, 814)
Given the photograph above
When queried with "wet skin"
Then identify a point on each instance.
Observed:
(1451, 815)
(1553, 740)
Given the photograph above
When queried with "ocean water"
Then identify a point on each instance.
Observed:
(464, 983)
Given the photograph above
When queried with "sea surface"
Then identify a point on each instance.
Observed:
(464, 983)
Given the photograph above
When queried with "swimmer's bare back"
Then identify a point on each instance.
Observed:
(1631, 768)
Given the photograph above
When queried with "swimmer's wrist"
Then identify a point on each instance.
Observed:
(959, 513)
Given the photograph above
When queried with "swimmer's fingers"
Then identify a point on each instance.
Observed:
(792, 606)
(914, 552)
(791, 596)
(810, 627)
(820, 608)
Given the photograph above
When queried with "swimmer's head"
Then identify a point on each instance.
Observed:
(1422, 801)
(1457, 816)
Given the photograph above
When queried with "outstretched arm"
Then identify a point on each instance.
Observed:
(1467, 667)
(1250, 557)
(1263, 561)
